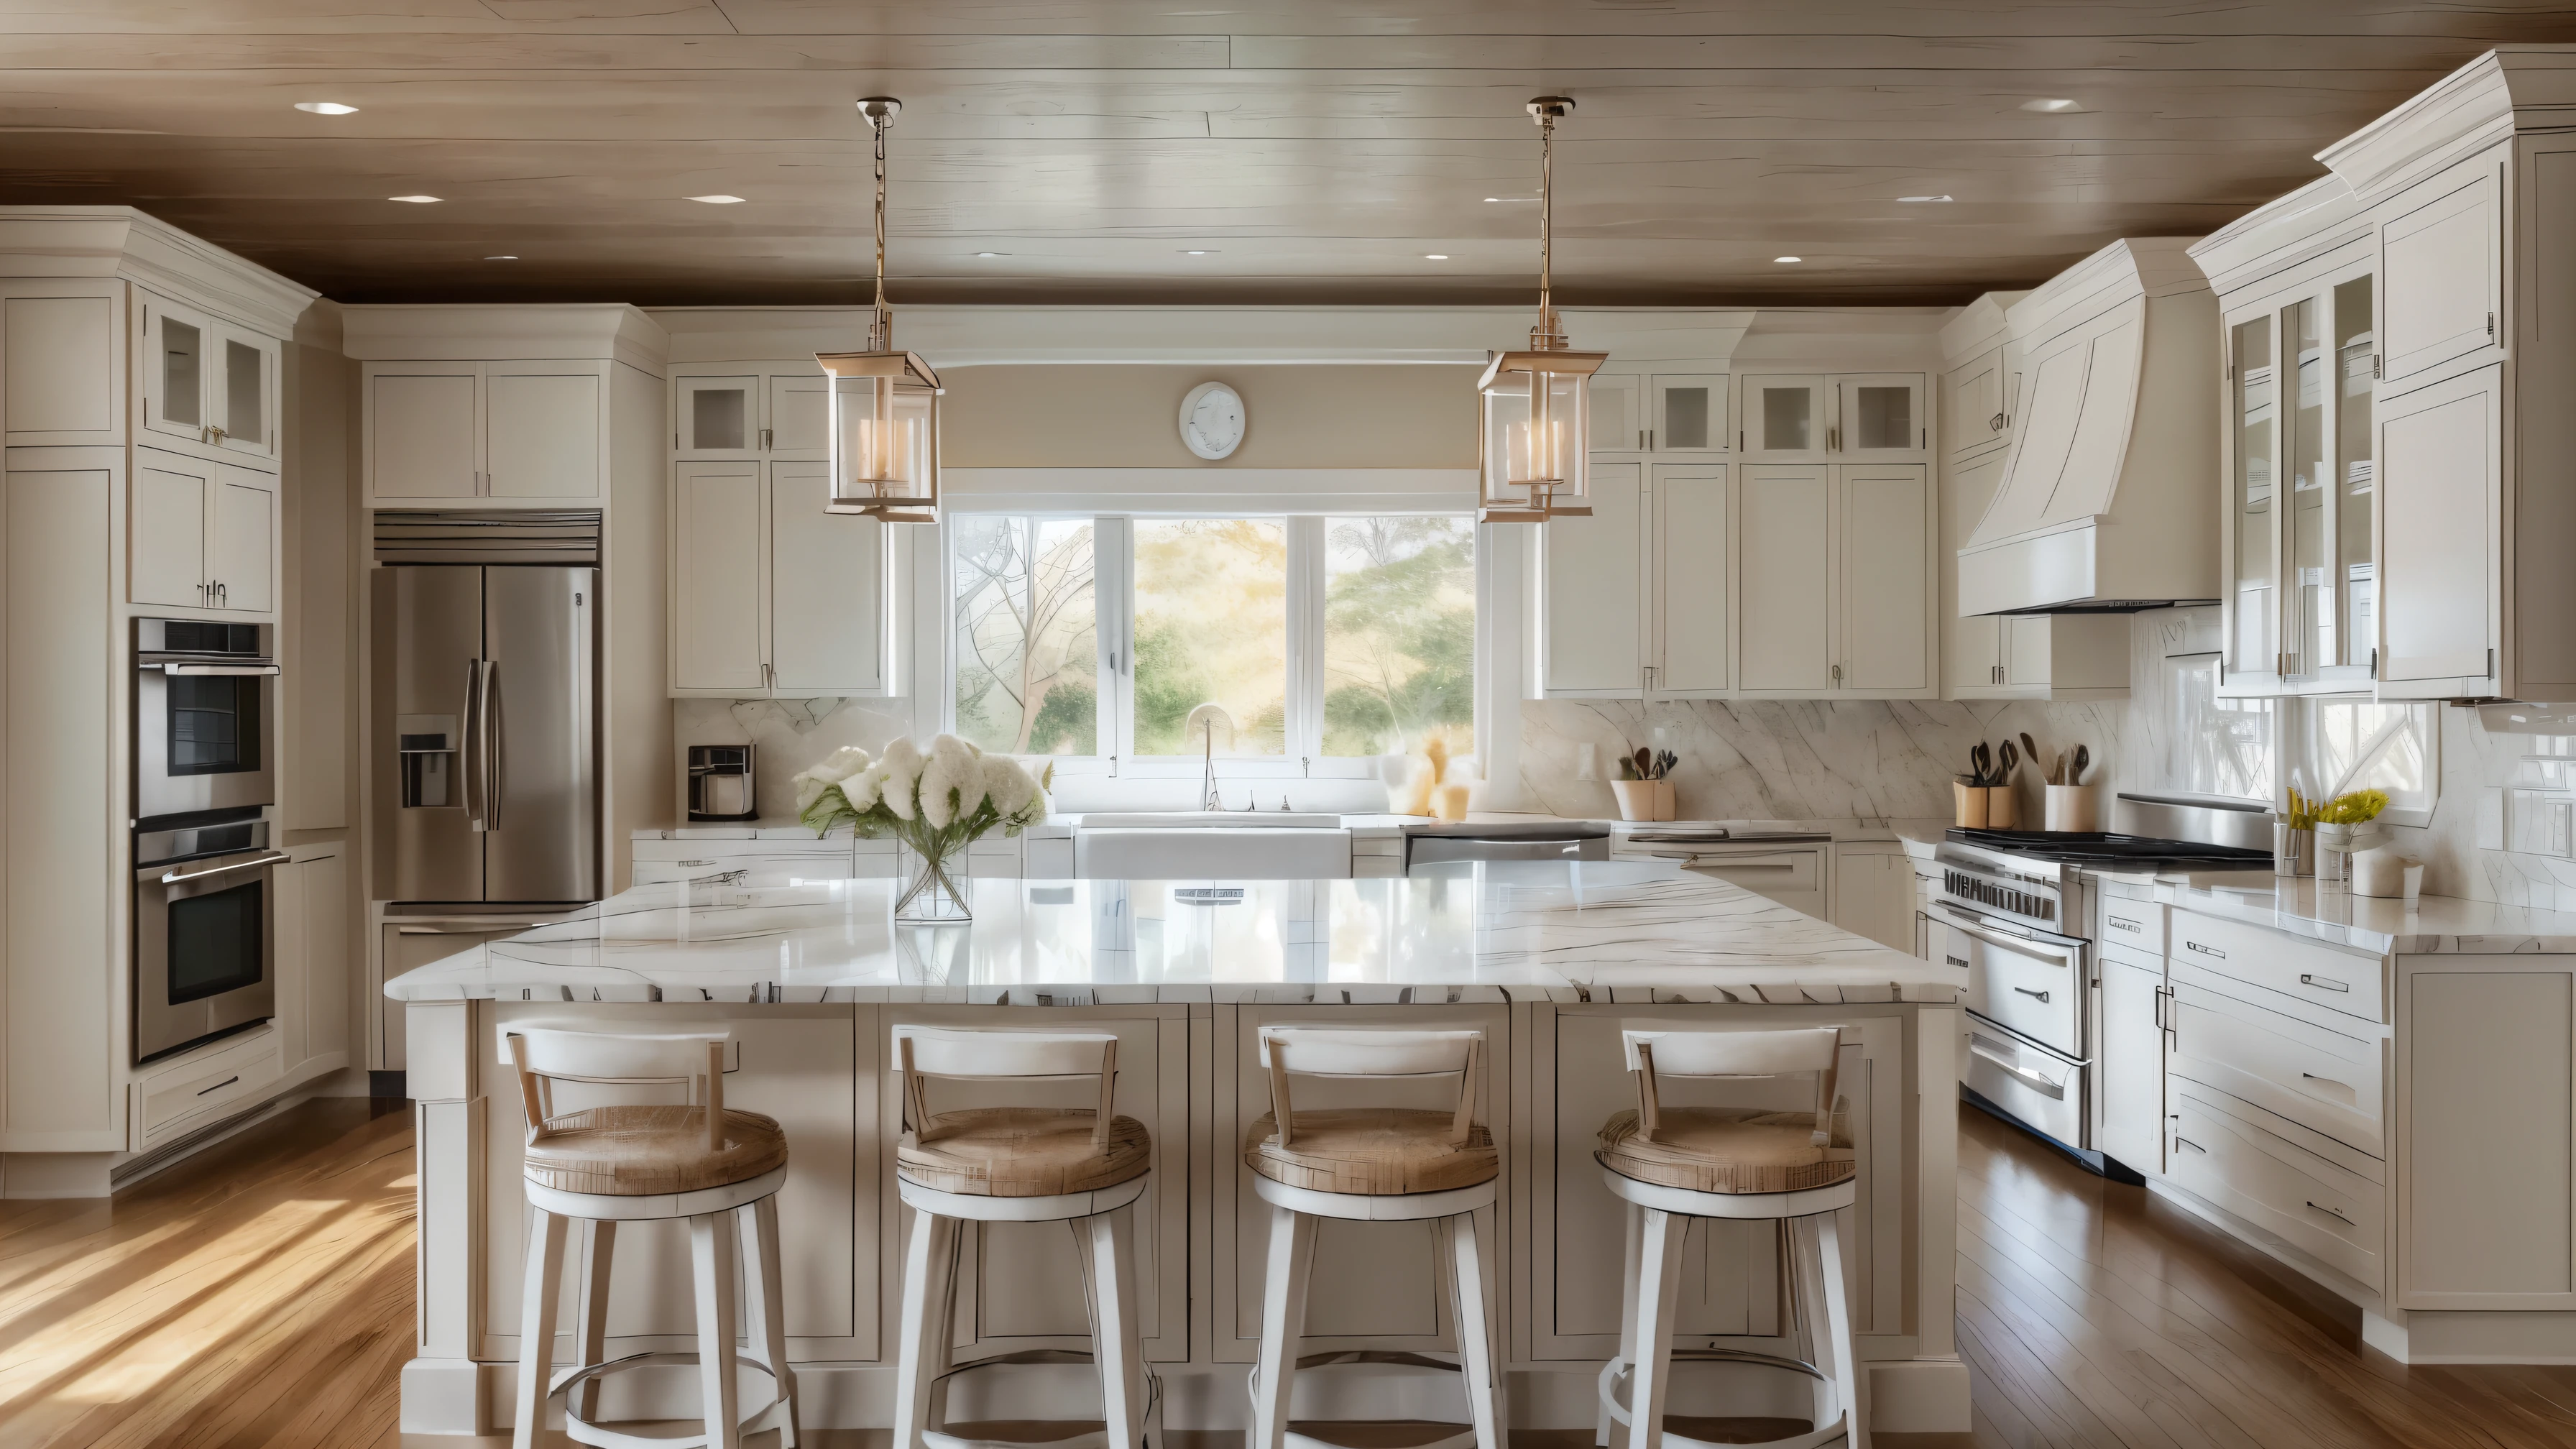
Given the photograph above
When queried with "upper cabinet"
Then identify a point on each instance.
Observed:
(1851, 418)
(2444, 259)
(1978, 400)
(753, 410)
(770, 595)
(1678, 414)
(203, 535)
(62, 362)
(507, 407)
(205, 386)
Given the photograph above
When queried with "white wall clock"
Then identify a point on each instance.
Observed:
(1212, 420)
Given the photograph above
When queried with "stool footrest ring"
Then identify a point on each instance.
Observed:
(1615, 1376)
(769, 1415)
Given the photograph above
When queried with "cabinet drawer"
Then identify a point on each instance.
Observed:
(173, 1103)
(2138, 925)
(2307, 1201)
(2317, 1078)
(2340, 981)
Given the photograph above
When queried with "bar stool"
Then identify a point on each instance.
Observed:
(1371, 1164)
(601, 1166)
(1084, 1167)
(1674, 1164)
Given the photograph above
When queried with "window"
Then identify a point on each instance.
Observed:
(2335, 746)
(2214, 746)
(1323, 642)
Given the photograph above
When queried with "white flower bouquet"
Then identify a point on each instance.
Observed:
(934, 804)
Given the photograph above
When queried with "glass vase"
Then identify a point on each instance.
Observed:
(934, 887)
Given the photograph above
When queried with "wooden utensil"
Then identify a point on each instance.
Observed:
(2030, 749)
(2057, 769)
(2083, 758)
(1981, 761)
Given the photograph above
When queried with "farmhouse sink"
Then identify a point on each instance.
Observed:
(1209, 820)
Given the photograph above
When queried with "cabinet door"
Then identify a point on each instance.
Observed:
(326, 956)
(2133, 1064)
(827, 589)
(1976, 652)
(424, 433)
(1879, 416)
(1592, 582)
(177, 367)
(1694, 595)
(1972, 404)
(2442, 270)
(545, 432)
(1618, 424)
(719, 632)
(1690, 415)
(715, 417)
(2028, 644)
(800, 414)
(1886, 579)
(1783, 419)
(243, 408)
(241, 540)
(2440, 490)
(1873, 896)
(62, 362)
(172, 499)
(1787, 629)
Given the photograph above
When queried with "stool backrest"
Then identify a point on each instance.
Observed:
(1654, 1051)
(544, 1055)
(924, 1052)
(1382, 1052)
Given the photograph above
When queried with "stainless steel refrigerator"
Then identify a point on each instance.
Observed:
(486, 727)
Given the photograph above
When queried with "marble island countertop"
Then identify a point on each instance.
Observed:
(1516, 931)
(1063, 824)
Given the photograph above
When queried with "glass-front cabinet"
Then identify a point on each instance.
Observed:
(2300, 562)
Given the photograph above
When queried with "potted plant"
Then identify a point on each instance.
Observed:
(2348, 824)
(935, 805)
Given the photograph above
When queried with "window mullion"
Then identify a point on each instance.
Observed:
(1305, 602)
(1114, 633)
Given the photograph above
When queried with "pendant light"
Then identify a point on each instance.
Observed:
(884, 423)
(1534, 449)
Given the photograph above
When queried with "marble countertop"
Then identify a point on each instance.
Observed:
(1515, 931)
(2428, 925)
(1378, 825)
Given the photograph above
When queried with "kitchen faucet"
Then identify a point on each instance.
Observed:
(1204, 718)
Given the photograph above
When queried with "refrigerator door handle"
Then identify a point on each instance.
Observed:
(495, 760)
(472, 765)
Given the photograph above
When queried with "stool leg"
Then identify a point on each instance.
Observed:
(923, 1342)
(711, 1244)
(1118, 1344)
(1283, 1323)
(1846, 1371)
(1636, 1217)
(1659, 1285)
(590, 1338)
(761, 1290)
(543, 1285)
(1475, 1313)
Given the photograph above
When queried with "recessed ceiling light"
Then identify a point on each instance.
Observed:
(1944, 197)
(504, 257)
(2050, 103)
(326, 108)
(1435, 256)
(1511, 198)
(1788, 259)
(416, 200)
(1198, 251)
(992, 254)
(715, 200)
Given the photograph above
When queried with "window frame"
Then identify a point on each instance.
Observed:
(1113, 541)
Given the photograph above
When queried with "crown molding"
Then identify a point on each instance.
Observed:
(504, 332)
(121, 242)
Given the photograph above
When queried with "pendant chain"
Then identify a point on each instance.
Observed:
(881, 326)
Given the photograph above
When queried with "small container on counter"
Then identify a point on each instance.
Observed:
(1985, 807)
(1449, 801)
(2294, 852)
(2074, 808)
(1644, 799)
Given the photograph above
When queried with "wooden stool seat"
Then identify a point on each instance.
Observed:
(1022, 1152)
(1372, 1152)
(638, 1151)
(1707, 1149)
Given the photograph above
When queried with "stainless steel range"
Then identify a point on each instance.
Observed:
(2015, 907)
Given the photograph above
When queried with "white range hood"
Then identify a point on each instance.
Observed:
(2109, 499)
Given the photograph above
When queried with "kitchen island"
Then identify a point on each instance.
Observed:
(1548, 959)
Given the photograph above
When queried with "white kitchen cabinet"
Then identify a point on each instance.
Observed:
(1879, 417)
(1874, 894)
(313, 967)
(770, 595)
(751, 410)
(1978, 400)
(1592, 592)
(2442, 538)
(203, 535)
(513, 434)
(1688, 415)
(2039, 656)
(1692, 583)
(209, 387)
(2132, 1054)
(62, 362)
(1618, 418)
(2443, 255)
(1876, 417)
(1786, 623)
(1886, 638)
(1836, 569)
(1784, 419)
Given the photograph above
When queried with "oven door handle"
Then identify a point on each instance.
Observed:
(2023, 1075)
(272, 857)
(2049, 951)
(227, 670)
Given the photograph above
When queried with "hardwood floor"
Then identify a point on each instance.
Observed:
(259, 1297)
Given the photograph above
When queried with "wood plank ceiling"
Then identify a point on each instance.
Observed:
(1313, 151)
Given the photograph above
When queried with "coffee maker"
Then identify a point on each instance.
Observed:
(720, 783)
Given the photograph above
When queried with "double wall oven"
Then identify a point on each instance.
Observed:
(205, 893)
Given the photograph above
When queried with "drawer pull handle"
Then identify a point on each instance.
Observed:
(2124, 925)
(2182, 1141)
(2026, 991)
(2204, 950)
(2322, 983)
(2329, 1081)
(226, 1082)
(2330, 1212)
(693, 862)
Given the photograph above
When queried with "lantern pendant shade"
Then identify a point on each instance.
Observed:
(884, 435)
(1534, 450)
